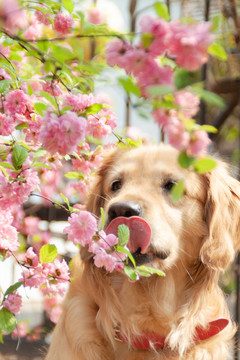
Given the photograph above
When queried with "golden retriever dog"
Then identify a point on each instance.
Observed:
(182, 315)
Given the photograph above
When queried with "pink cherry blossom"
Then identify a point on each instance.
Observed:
(34, 30)
(188, 103)
(20, 330)
(136, 61)
(53, 307)
(60, 271)
(54, 289)
(97, 126)
(41, 16)
(116, 51)
(12, 15)
(78, 102)
(103, 259)
(199, 143)
(55, 313)
(101, 124)
(176, 132)
(13, 302)
(52, 87)
(62, 134)
(17, 192)
(161, 117)
(107, 242)
(7, 125)
(5, 50)
(82, 165)
(33, 131)
(82, 227)
(95, 16)
(159, 30)
(81, 188)
(16, 101)
(135, 133)
(63, 23)
(4, 75)
(31, 225)
(31, 258)
(33, 277)
(8, 233)
(189, 43)
(154, 75)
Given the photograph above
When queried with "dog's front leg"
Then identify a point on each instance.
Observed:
(76, 336)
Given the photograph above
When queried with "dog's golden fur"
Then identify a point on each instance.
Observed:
(200, 234)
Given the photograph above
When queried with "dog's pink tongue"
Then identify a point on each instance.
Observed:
(140, 232)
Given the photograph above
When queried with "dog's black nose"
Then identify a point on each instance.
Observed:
(126, 209)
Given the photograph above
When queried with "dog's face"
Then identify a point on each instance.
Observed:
(138, 182)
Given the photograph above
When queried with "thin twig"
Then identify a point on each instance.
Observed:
(25, 41)
(52, 202)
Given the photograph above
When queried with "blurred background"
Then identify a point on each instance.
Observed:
(46, 222)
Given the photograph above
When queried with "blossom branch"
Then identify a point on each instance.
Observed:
(52, 202)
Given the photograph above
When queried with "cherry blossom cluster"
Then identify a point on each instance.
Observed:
(50, 277)
(14, 17)
(83, 230)
(187, 45)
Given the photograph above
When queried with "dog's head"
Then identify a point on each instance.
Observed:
(203, 225)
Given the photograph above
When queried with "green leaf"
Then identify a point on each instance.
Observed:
(184, 160)
(209, 129)
(184, 78)
(7, 321)
(22, 126)
(130, 272)
(1, 338)
(218, 51)
(13, 288)
(209, 97)
(123, 234)
(103, 218)
(9, 68)
(204, 165)
(177, 191)
(19, 155)
(65, 199)
(62, 54)
(147, 39)
(3, 254)
(43, 46)
(121, 249)
(217, 22)
(149, 270)
(40, 107)
(162, 10)
(41, 165)
(129, 86)
(47, 253)
(48, 97)
(49, 67)
(7, 165)
(74, 175)
(156, 90)
(93, 109)
(134, 143)
(68, 5)
(4, 86)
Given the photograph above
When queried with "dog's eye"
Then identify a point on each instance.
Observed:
(116, 185)
(168, 185)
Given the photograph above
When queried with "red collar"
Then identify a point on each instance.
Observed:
(150, 340)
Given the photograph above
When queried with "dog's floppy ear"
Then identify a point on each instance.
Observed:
(222, 215)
